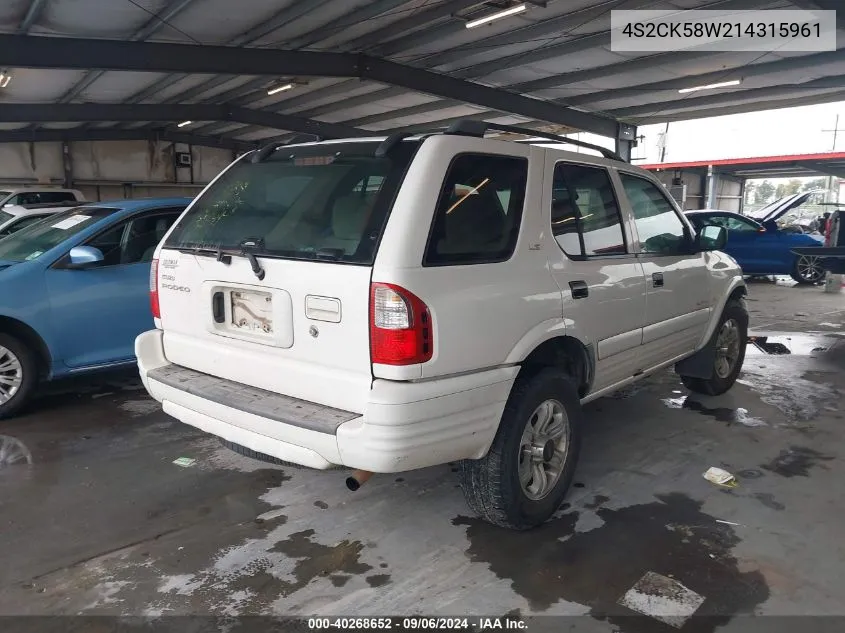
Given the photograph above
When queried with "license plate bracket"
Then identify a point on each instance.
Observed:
(251, 311)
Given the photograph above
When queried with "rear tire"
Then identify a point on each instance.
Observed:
(728, 364)
(18, 375)
(524, 477)
(807, 270)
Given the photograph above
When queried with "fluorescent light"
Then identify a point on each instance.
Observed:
(184, 123)
(721, 84)
(496, 16)
(5, 78)
(281, 88)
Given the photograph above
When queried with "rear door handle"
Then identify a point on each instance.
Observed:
(580, 290)
(657, 280)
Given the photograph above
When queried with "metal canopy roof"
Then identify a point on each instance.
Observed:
(89, 69)
(791, 166)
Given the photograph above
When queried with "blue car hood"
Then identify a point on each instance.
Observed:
(6, 263)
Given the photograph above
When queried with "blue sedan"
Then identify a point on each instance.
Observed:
(760, 246)
(74, 292)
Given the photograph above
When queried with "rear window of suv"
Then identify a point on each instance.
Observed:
(478, 211)
(324, 202)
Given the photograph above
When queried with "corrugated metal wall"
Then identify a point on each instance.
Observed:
(107, 170)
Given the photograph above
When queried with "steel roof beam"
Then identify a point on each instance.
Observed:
(55, 52)
(288, 15)
(734, 96)
(755, 70)
(152, 26)
(50, 112)
(79, 134)
(751, 106)
(33, 12)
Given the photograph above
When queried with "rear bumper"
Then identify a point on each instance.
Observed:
(404, 426)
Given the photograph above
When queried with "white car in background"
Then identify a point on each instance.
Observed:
(15, 217)
(38, 195)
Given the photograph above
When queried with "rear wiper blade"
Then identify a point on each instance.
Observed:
(219, 253)
(249, 244)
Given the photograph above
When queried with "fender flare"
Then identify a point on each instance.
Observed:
(737, 283)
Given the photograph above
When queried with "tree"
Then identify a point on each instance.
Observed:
(750, 192)
(815, 183)
(792, 187)
(780, 190)
(763, 192)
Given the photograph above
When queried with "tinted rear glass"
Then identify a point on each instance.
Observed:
(325, 202)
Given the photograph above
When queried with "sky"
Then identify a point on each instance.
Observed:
(767, 133)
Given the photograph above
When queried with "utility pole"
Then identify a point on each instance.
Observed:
(829, 194)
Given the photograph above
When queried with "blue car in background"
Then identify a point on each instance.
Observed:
(760, 246)
(74, 292)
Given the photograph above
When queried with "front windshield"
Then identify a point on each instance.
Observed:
(36, 239)
(326, 201)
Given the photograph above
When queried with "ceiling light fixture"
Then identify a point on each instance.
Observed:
(496, 16)
(184, 123)
(721, 84)
(5, 78)
(281, 88)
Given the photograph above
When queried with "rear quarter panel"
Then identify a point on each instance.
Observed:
(480, 312)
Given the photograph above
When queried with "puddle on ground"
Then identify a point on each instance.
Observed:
(738, 415)
(556, 563)
(797, 344)
(796, 461)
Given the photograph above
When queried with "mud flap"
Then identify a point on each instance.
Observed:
(700, 364)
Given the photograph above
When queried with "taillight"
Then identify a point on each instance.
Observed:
(400, 327)
(154, 289)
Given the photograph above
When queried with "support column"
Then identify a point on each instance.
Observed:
(712, 188)
(67, 162)
(626, 140)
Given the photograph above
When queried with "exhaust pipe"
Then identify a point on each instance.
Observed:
(357, 479)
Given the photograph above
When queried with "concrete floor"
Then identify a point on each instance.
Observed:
(103, 522)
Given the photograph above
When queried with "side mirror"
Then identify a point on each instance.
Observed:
(712, 238)
(84, 257)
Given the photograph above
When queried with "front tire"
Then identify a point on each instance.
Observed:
(807, 270)
(730, 340)
(18, 375)
(525, 475)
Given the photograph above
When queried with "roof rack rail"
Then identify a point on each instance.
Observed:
(261, 154)
(472, 127)
(397, 137)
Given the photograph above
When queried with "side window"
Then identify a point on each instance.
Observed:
(735, 224)
(585, 216)
(660, 229)
(29, 198)
(55, 196)
(478, 212)
(109, 244)
(144, 235)
(136, 245)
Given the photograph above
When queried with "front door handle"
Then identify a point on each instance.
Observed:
(580, 290)
(657, 280)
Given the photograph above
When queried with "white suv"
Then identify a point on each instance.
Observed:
(392, 304)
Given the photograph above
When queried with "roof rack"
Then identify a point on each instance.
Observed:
(261, 154)
(471, 127)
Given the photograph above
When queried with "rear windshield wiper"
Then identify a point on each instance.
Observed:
(201, 251)
(247, 246)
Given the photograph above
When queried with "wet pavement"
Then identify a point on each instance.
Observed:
(97, 519)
